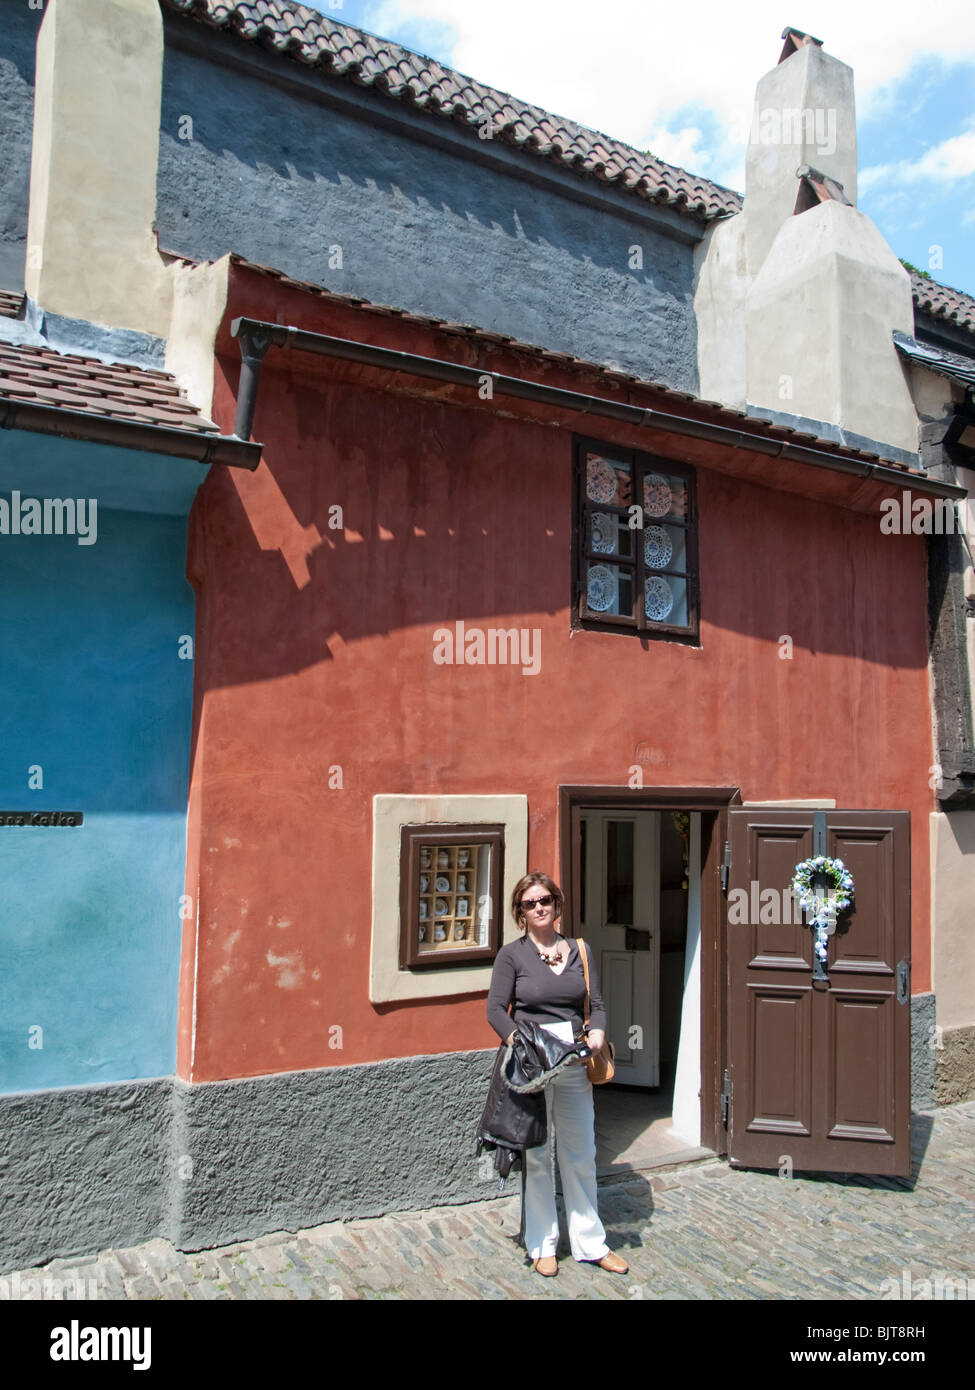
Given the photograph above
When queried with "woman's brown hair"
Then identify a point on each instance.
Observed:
(529, 881)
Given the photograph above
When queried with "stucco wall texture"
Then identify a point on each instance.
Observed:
(316, 649)
(282, 180)
(99, 1166)
(19, 25)
(95, 695)
(955, 1066)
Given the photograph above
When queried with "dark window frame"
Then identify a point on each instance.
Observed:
(443, 835)
(636, 622)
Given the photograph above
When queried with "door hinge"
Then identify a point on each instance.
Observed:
(725, 867)
(726, 1099)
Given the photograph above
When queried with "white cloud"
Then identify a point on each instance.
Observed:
(680, 147)
(645, 72)
(952, 159)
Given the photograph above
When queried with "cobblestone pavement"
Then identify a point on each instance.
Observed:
(702, 1232)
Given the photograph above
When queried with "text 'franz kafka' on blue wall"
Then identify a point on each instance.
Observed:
(96, 649)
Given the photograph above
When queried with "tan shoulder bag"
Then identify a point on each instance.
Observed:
(601, 1067)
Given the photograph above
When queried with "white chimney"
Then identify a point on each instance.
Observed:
(798, 295)
(804, 114)
(91, 249)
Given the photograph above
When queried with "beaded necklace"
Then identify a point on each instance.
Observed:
(552, 961)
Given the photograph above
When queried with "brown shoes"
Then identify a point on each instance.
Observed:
(615, 1263)
(549, 1265)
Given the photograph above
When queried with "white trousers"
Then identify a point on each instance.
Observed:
(569, 1098)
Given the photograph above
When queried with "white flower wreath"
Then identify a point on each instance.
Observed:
(821, 907)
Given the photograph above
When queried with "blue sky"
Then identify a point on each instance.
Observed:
(907, 185)
(680, 82)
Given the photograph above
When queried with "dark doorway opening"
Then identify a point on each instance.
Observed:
(635, 868)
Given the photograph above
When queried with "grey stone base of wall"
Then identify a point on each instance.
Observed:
(923, 1035)
(98, 1167)
(954, 1078)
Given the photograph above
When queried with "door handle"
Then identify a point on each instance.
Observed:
(903, 981)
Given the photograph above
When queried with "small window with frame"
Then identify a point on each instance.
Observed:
(634, 543)
(450, 894)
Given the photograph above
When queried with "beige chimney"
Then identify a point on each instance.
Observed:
(804, 114)
(797, 296)
(91, 249)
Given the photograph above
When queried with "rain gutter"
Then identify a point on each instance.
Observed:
(255, 336)
(128, 434)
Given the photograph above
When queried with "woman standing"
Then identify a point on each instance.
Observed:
(542, 976)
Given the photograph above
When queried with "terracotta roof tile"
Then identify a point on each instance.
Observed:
(10, 303)
(943, 303)
(317, 40)
(41, 376)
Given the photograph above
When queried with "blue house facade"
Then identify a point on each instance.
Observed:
(96, 650)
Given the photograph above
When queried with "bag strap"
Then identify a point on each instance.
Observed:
(585, 970)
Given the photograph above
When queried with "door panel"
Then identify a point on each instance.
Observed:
(781, 1074)
(619, 995)
(860, 1104)
(871, 947)
(620, 921)
(819, 1071)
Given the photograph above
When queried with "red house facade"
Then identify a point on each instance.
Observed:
(393, 512)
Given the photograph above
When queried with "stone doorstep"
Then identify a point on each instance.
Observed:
(661, 1163)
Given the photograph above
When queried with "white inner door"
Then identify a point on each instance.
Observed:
(621, 921)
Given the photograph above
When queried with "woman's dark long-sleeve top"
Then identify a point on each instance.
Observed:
(539, 995)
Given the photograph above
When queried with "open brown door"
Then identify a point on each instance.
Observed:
(819, 1070)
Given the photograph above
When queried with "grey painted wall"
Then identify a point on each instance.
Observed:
(923, 1014)
(18, 27)
(82, 1169)
(88, 1168)
(280, 178)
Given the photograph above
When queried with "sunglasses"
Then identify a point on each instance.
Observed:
(527, 904)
